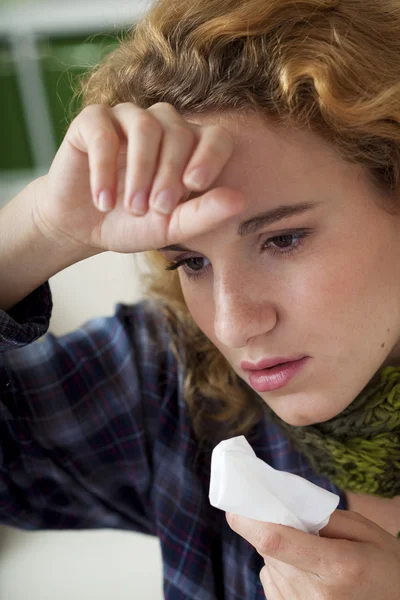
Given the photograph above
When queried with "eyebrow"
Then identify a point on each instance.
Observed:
(263, 219)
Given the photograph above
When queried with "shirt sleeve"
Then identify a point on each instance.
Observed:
(78, 417)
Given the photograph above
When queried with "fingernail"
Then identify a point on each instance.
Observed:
(165, 202)
(105, 200)
(139, 203)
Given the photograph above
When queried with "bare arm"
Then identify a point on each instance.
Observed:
(27, 257)
(84, 205)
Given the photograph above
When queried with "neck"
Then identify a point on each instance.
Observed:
(359, 449)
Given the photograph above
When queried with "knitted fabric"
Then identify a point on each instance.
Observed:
(358, 449)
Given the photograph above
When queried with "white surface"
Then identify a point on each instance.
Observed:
(82, 565)
(48, 17)
(95, 565)
(93, 287)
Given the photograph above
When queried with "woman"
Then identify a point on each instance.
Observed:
(288, 252)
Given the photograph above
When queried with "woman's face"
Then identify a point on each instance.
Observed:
(335, 298)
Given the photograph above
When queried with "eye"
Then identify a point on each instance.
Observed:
(193, 263)
(285, 244)
(194, 269)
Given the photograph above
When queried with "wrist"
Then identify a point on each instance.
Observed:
(30, 254)
(63, 244)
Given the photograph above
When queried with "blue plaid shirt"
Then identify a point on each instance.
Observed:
(94, 433)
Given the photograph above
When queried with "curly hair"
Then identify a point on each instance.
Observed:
(329, 66)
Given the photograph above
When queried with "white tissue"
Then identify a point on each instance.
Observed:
(245, 485)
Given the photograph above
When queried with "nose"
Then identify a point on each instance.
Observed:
(241, 312)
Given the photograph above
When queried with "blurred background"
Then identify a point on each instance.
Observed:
(44, 47)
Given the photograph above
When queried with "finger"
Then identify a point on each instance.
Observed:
(93, 132)
(302, 550)
(294, 583)
(349, 525)
(204, 213)
(210, 156)
(144, 135)
(167, 189)
(271, 589)
(159, 146)
(195, 153)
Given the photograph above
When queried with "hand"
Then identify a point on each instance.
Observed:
(122, 150)
(354, 559)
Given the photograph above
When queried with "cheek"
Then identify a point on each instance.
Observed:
(352, 284)
(349, 302)
(200, 303)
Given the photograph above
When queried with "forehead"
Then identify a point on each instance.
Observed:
(272, 160)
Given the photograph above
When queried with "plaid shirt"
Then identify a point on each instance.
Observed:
(94, 433)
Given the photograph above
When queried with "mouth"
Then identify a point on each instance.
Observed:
(276, 376)
(268, 363)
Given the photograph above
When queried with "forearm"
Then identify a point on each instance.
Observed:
(27, 257)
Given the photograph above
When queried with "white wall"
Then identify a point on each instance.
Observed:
(83, 565)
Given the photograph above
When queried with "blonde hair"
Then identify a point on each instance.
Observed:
(330, 66)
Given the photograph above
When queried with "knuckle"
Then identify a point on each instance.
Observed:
(95, 113)
(269, 542)
(93, 109)
(147, 125)
(123, 106)
(181, 131)
(221, 138)
(350, 569)
(354, 572)
(218, 129)
(105, 136)
(164, 106)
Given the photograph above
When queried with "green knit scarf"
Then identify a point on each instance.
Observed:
(358, 449)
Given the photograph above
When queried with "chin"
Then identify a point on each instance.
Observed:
(302, 418)
(301, 421)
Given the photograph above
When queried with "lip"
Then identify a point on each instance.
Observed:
(274, 378)
(268, 362)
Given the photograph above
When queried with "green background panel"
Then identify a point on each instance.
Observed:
(62, 61)
(15, 151)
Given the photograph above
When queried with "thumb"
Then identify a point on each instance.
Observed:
(204, 213)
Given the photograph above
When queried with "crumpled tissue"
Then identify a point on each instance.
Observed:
(243, 484)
